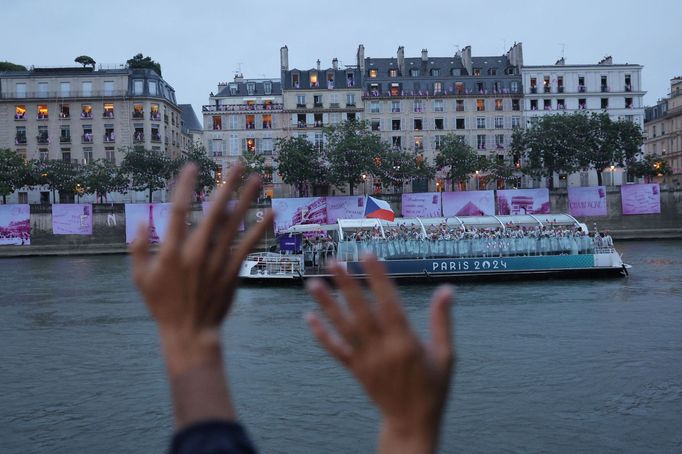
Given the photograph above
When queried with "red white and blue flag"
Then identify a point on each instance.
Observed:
(379, 209)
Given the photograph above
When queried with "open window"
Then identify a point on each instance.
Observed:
(108, 110)
(296, 80)
(267, 121)
(138, 134)
(138, 111)
(217, 122)
(64, 112)
(154, 112)
(86, 111)
(314, 83)
(20, 112)
(250, 122)
(156, 135)
(43, 113)
(251, 144)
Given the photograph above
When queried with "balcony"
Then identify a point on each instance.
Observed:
(42, 116)
(20, 116)
(109, 138)
(548, 89)
(71, 94)
(155, 116)
(267, 125)
(138, 115)
(86, 138)
(138, 137)
(628, 87)
(604, 88)
(350, 104)
(20, 139)
(108, 114)
(334, 105)
(156, 137)
(86, 115)
(300, 106)
(560, 89)
(43, 139)
(301, 124)
(317, 105)
(533, 90)
(242, 107)
(250, 126)
(318, 124)
(65, 139)
(582, 89)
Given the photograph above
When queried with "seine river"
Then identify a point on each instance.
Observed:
(545, 366)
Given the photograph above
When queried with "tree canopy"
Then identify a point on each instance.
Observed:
(206, 168)
(8, 66)
(58, 175)
(14, 172)
(85, 60)
(649, 167)
(147, 170)
(101, 177)
(299, 163)
(350, 152)
(140, 61)
(395, 167)
(458, 159)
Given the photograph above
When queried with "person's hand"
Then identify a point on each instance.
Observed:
(406, 379)
(189, 285)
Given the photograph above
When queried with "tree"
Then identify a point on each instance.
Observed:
(140, 61)
(147, 170)
(299, 163)
(58, 175)
(649, 167)
(7, 66)
(396, 167)
(350, 152)
(85, 60)
(101, 177)
(206, 168)
(14, 172)
(458, 158)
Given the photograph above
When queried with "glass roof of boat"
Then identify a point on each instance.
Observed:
(465, 221)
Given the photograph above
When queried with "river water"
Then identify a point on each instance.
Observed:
(544, 366)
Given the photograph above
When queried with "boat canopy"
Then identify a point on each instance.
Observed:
(305, 228)
(462, 222)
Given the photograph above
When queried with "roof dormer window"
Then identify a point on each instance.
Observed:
(233, 89)
(251, 88)
(267, 87)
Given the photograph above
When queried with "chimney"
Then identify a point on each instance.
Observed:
(515, 55)
(318, 64)
(608, 60)
(361, 59)
(335, 63)
(284, 58)
(425, 55)
(466, 60)
(238, 77)
(560, 62)
(401, 60)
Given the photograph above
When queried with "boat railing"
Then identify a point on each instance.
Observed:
(276, 264)
(468, 248)
(604, 250)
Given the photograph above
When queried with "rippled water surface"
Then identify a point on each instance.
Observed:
(545, 366)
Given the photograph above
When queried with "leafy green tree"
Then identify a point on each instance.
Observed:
(350, 152)
(85, 60)
(649, 167)
(396, 167)
(140, 61)
(147, 170)
(58, 175)
(101, 177)
(7, 66)
(299, 163)
(458, 158)
(14, 173)
(207, 169)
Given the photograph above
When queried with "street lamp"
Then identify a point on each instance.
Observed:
(477, 183)
(364, 183)
(613, 177)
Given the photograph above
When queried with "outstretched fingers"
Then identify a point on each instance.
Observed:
(442, 326)
(390, 312)
(359, 306)
(330, 341)
(182, 199)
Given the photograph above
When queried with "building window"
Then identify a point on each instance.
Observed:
(604, 103)
(439, 124)
(533, 104)
(392, 72)
(438, 105)
(42, 89)
(414, 72)
(317, 101)
(628, 103)
(395, 125)
(437, 142)
(350, 100)
(459, 123)
(514, 86)
(20, 136)
(418, 143)
(335, 118)
(300, 101)
(267, 121)
(233, 121)
(395, 106)
(267, 87)
(459, 105)
(560, 84)
(43, 154)
(418, 124)
(560, 104)
(480, 105)
(437, 88)
(20, 112)
(480, 87)
(154, 113)
(110, 154)
(515, 104)
(435, 72)
(43, 112)
(459, 88)
(87, 155)
(373, 73)
(314, 83)
(516, 122)
(20, 90)
(66, 155)
(138, 132)
(250, 122)
(480, 141)
(108, 87)
(138, 111)
(547, 104)
(43, 137)
(396, 141)
(108, 110)
(301, 121)
(317, 119)
(65, 134)
(153, 88)
(395, 90)
(295, 80)
(581, 84)
(250, 88)
(546, 84)
(604, 84)
(499, 122)
(498, 104)
(499, 141)
(217, 122)
(480, 122)
(87, 134)
(477, 71)
(582, 103)
(65, 89)
(374, 107)
(533, 85)
(138, 87)
(376, 125)
(628, 82)
(492, 71)
(418, 106)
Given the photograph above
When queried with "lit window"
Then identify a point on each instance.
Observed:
(20, 112)
(217, 122)
(108, 110)
(480, 105)
(251, 144)
(372, 73)
(498, 104)
(154, 112)
(393, 72)
(138, 111)
(313, 80)
(414, 72)
(42, 112)
(86, 111)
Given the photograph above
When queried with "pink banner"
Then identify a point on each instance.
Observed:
(230, 206)
(641, 198)
(72, 219)
(587, 201)
(421, 205)
(156, 215)
(523, 201)
(15, 225)
(345, 207)
(301, 210)
(469, 203)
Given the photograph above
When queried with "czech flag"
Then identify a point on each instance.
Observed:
(379, 209)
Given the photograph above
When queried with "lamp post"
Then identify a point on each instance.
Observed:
(364, 183)
(477, 183)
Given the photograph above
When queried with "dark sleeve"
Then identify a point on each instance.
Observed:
(214, 437)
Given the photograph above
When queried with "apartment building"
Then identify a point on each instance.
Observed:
(663, 128)
(82, 114)
(413, 102)
(244, 116)
(317, 97)
(603, 87)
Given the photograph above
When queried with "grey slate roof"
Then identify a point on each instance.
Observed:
(190, 122)
(243, 91)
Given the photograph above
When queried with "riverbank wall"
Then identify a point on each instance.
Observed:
(109, 228)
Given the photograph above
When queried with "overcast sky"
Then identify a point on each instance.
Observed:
(202, 42)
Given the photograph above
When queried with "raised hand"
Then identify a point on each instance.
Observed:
(190, 283)
(407, 379)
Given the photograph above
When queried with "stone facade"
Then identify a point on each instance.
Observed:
(663, 127)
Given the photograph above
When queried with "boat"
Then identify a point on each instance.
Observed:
(452, 248)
